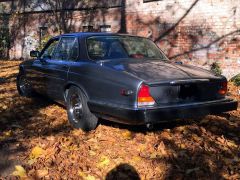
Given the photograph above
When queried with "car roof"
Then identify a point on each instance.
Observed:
(87, 34)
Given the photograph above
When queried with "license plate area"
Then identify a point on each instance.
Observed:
(188, 92)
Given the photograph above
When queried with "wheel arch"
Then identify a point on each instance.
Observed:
(69, 85)
(21, 69)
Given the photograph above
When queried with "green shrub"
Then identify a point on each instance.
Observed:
(216, 68)
(236, 80)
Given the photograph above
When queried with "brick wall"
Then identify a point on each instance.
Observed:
(197, 32)
(206, 31)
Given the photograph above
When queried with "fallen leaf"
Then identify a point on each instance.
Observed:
(42, 173)
(104, 161)
(154, 155)
(4, 107)
(162, 149)
(85, 176)
(196, 138)
(8, 133)
(77, 132)
(73, 147)
(127, 135)
(231, 144)
(35, 154)
(182, 146)
(89, 177)
(31, 161)
(136, 159)
(82, 174)
(19, 171)
(92, 153)
(166, 135)
(204, 121)
(51, 138)
(141, 148)
(221, 140)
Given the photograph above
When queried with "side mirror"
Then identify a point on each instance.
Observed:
(34, 53)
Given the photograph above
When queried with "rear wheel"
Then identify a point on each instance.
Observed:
(79, 114)
(23, 86)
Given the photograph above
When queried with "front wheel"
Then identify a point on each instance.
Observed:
(23, 86)
(79, 114)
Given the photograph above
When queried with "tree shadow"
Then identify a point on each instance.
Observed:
(172, 28)
(203, 158)
(123, 20)
(8, 151)
(22, 119)
(218, 39)
(225, 127)
(4, 80)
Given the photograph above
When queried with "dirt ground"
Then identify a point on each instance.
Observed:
(37, 142)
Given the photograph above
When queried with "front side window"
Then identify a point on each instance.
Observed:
(116, 47)
(49, 49)
(67, 49)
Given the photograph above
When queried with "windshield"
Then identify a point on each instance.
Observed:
(116, 47)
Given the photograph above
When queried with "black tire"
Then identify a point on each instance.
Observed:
(79, 114)
(23, 86)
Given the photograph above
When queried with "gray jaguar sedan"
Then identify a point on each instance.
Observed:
(121, 78)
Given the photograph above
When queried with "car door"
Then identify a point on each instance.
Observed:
(57, 67)
(40, 68)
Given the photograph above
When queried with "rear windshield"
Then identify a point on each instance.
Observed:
(116, 47)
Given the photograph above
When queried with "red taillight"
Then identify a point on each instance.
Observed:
(144, 97)
(223, 88)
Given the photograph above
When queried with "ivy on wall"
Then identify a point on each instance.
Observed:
(4, 34)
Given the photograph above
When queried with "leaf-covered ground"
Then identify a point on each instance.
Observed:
(36, 141)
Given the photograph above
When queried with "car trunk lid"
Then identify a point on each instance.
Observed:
(155, 71)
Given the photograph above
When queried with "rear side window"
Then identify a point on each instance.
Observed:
(96, 49)
(68, 49)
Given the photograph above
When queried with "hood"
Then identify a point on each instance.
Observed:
(158, 70)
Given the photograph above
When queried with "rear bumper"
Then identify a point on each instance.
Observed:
(163, 113)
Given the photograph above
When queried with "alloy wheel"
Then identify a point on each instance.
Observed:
(76, 108)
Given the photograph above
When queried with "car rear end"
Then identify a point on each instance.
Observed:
(162, 101)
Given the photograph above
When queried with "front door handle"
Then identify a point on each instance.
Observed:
(65, 67)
